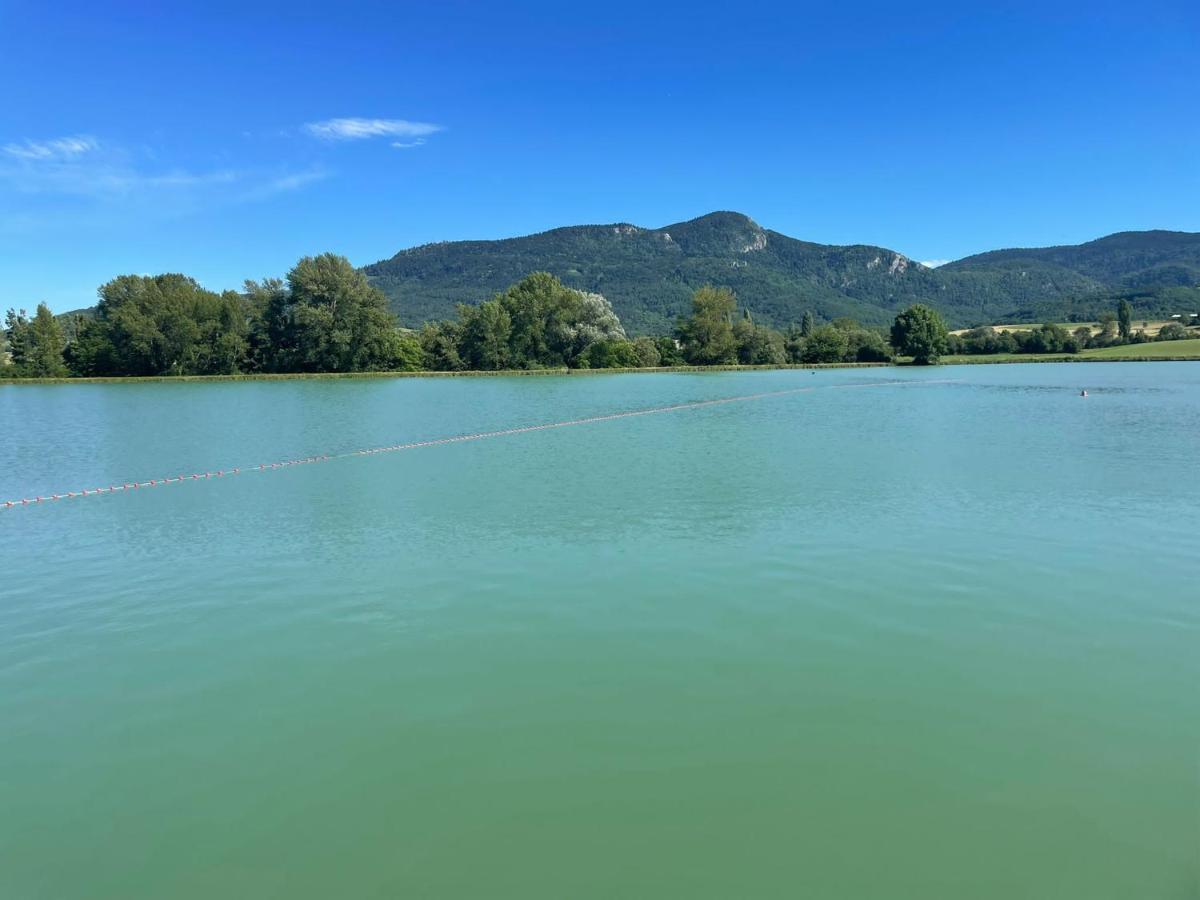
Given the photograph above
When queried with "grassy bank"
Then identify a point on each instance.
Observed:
(1167, 351)
(427, 374)
(1186, 349)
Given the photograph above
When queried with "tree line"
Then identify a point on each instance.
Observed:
(325, 316)
(1115, 329)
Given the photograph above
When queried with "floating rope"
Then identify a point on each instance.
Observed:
(458, 439)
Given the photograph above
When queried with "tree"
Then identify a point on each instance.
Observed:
(1124, 318)
(537, 322)
(647, 351)
(743, 336)
(807, 324)
(1172, 331)
(161, 325)
(669, 353)
(612, 354)
(1108, 328)
(409, 354)
(865, 345)
(552, 324)
(272, 338)
(759, 345)
(35, 346)
(579, 320)
(486, 330)
(333, 320)
(919, 332)
(707, 335)
(793, 343)
(439, 347)
(825, 345)
(44, 353)
(16, 334)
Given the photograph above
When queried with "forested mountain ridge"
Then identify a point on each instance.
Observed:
(1127, 259)
(649, 274)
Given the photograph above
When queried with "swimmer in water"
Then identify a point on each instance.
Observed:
(1083, 393)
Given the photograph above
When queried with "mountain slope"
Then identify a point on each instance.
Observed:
(649, 274)
(1128, 259)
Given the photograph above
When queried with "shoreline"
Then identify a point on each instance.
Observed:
(499, 373)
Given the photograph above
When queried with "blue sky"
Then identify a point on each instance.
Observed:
(226, 140)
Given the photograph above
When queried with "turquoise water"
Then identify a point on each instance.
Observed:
(921, 641)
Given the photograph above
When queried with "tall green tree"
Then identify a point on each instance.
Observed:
(613, 354)
(1125, 319)
(669, 353)
(537, 322)
(647, 352)
(1108, 327)
(866, 345)
(807, 324)
(16, 340)
(793, 344)
(579, 320)
(35, 346)
(329, 319)
(271, 343)
(707, 336)
(440, 347)
(921, 333)
(486, 331)
(759, 345)
(826, 344)
(161, 325)
(44, 354)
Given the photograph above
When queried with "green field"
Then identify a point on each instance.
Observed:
(1186, 348)
(1189, 349)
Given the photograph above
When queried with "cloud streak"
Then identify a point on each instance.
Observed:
(411, 134)
(57, 149)
(79, 180)
(933, 263)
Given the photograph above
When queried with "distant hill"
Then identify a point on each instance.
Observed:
(1157, 271)
(1128, 259)
(649, 274)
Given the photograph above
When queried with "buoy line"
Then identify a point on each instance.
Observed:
(457, 439)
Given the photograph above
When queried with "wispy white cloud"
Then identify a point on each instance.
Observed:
(283, 184)
(933, 263)
(81, 166)
(56, 149)
(81, 180)
(412, 134)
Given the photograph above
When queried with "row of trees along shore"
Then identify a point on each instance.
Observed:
(327, 317)
(1115, 329)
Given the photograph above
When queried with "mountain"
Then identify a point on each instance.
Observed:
(649, 274)
(1157, 271)
(1128, 259)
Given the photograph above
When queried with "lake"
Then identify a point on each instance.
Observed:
(918, 640)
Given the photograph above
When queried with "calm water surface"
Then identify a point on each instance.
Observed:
(920, 642)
